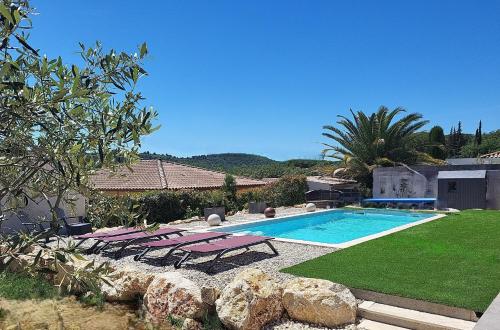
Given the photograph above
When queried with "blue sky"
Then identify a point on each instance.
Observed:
(264, 76)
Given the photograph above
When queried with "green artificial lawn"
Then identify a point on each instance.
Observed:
(20, 287)
(454, 260)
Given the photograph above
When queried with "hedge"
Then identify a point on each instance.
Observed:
(167, 206)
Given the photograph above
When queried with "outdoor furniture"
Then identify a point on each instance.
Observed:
(222, 247)
(72, 228)
(324, 198)
(178, 242)
(31, 226)
(256, 207)
(111, 233)
(133, 238)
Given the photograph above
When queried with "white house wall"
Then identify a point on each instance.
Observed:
(39, 209)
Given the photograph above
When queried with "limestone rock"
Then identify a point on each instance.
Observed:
(319, 302)
(127, 285)
(172, 294)
(209, 295)
(250, 301)
(190, 324)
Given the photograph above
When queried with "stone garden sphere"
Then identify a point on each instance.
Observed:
(214, 220)
(310, 207)
(270, 212)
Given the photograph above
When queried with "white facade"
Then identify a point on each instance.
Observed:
(39, 209)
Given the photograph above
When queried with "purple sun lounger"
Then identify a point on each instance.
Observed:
(130, 239)
(110, 233)
(177, 242)
(222, 247)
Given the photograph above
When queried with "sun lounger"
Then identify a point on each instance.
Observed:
(103, 234)
(133, 238)
(222, 247)
(178, 242)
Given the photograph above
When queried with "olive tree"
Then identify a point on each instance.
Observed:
(60, 122)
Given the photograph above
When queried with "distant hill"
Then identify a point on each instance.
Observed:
(254, 166)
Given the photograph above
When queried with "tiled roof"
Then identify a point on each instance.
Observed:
(157, 175)
(495, 154)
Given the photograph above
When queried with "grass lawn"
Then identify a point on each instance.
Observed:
(20, 287)
(454, 261)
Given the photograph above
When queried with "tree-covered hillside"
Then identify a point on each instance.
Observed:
(254, 166)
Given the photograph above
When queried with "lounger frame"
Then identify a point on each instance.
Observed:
(188, 254)
(176, 247)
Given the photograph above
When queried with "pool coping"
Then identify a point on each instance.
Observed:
(331, 245)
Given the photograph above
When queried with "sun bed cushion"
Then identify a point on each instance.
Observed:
(115, 232)
(142, 234)
(228, 243)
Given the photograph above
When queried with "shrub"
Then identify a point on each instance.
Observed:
(111, 211)
(167, 206)
(287, 191)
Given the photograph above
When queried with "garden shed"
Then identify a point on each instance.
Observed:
(462, 189)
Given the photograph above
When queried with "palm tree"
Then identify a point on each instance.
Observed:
(366, 142)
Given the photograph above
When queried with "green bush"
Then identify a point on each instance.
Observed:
(167, 206)
(111, 211)
(287, 191)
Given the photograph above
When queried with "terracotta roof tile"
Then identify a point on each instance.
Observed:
(157, 175)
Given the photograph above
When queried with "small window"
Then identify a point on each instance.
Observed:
(452, 186)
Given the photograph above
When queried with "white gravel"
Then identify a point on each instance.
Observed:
(258, 257)
(233, 263)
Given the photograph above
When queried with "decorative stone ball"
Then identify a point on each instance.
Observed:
(270, 212)
(214, 220)
(310, 207)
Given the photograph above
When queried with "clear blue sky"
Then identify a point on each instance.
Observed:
(264, 76)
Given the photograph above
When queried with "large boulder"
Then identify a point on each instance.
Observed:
(250, 301)
(170, 294)
(319, 302)
(126, 285)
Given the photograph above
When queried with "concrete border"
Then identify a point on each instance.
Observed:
(418, 305)
(338, 245)
(491, 318)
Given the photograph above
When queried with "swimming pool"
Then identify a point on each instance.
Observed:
(338, 228)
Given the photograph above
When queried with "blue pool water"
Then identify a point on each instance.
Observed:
(333, 227)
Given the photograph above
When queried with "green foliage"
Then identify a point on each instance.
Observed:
(107, 211)
(490, 142)
(229, 191)
(60, 122)
(175, 321)
(212, 322)
(252, 166)
(437, 143)
(287, 191)
(167, 206)
(24, 286)
(222, 162)
(93, 298)
(368, 141)
(229, 187)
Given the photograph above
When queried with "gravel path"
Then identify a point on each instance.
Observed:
(258, 257)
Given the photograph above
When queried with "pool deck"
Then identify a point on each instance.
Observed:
(291, 252)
